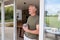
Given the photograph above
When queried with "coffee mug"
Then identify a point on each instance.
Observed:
(25, 25)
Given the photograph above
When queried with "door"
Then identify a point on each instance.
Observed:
(52, 19)
(8, 20)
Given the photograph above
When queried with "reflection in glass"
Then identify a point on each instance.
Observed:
(9, 16)
(52, 19)
(8, 20)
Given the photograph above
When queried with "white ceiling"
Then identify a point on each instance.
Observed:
(20, 3)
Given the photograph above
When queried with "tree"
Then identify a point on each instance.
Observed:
(45, 13)
(9, 12)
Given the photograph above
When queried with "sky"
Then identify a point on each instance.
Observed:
(52, 6)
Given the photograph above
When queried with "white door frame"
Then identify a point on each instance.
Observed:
(41, 20)
(15, 25)
(2, 20)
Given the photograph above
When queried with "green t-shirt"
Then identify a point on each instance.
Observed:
(32, 21)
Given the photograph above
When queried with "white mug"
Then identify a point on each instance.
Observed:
(25, 25)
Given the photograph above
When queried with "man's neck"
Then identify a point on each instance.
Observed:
(33, 14)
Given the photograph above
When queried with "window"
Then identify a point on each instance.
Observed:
(9, 22)
(7, 31)
(52, 19)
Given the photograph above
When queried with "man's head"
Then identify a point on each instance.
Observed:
(32, 9)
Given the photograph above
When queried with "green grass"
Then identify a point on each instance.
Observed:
(9, 20)
(52, 22)
(8, 23)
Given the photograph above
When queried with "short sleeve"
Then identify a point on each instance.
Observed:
(28, 20)
(37, 22)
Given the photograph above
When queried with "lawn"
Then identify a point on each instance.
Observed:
(8, 23)
(9, 20)
(52, 22)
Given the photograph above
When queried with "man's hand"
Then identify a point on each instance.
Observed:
(25, 29)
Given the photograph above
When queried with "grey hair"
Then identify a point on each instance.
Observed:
(33, 5)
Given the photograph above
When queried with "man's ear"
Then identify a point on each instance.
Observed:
(35, 9)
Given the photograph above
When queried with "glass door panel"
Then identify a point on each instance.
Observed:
(8, 5)
(52, 19)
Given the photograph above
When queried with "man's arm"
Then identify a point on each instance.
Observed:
(32, 31)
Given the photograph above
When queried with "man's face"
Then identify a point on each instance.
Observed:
(32, 9)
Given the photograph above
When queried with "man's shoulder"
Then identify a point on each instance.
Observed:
(34, 16)
(37, 16)
(29, 17)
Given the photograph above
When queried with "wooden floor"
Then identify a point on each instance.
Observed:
(19, 38)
